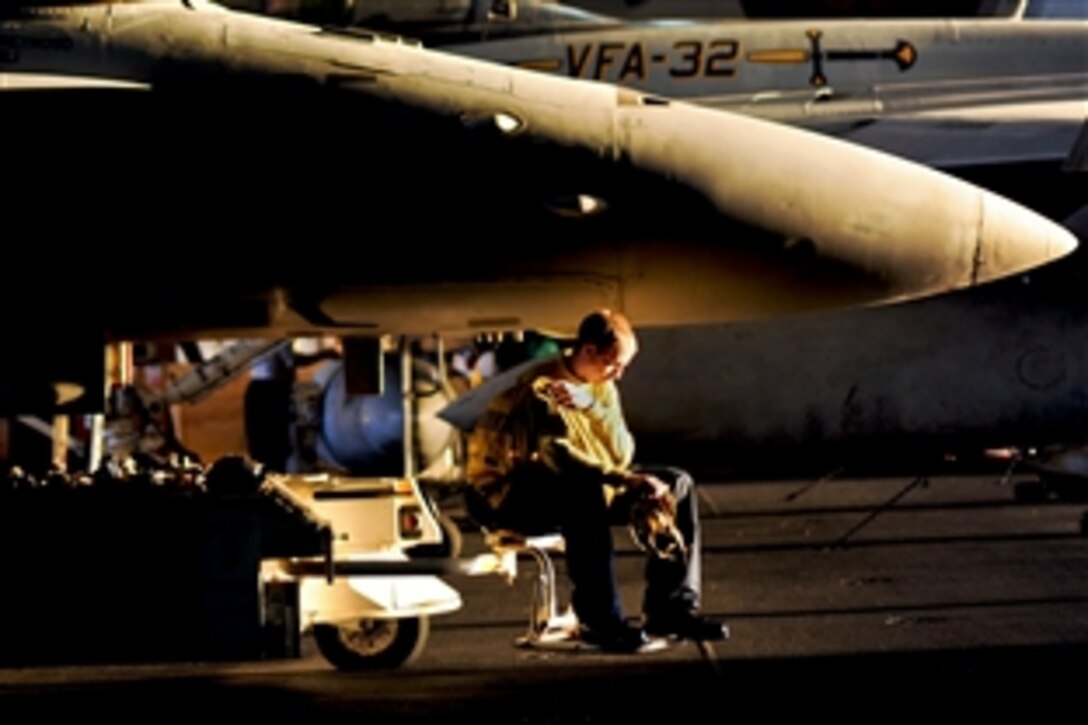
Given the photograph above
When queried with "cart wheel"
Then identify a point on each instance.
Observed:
(372, 644)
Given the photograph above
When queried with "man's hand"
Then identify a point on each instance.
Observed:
(570, 395)
(650, 484)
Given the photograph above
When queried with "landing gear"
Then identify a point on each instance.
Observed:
(372, 644)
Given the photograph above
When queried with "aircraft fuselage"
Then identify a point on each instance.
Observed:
(813, 70)
(579, 191)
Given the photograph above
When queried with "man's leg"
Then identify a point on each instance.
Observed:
(543, 504)
(673, 586)
(587, 532)
(579, 510)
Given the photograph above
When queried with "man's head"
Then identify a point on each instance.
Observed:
(605, 347)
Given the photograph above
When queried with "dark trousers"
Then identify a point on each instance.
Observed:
(578, 509)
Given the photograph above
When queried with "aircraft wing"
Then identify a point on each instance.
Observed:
(993, 134)
(417, 191)
(958, 121)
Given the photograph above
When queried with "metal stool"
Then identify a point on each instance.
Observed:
(548, 628)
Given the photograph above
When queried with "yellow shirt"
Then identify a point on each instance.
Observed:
(524, 428)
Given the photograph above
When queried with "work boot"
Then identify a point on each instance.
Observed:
(617, 637)
(687, 625)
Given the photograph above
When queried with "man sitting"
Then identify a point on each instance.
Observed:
(553, 452)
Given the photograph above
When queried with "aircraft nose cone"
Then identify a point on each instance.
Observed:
(1012, 239)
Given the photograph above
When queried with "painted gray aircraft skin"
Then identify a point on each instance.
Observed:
(997, 366)
(440, 22)
(998, 101)
(1004, 365)
(969, 236)
(944, 92)
(805, 8)
(499, 198)
(1001, 365)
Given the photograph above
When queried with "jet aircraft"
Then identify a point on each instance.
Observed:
(916, 387)
(988, 97)
(516, 17)
(948, 93)
(904, 387)
(300, 180)
(997, 366)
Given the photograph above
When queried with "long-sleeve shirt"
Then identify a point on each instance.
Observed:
(523, 429)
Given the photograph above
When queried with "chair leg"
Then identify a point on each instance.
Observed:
(548, 629)
(543, 611)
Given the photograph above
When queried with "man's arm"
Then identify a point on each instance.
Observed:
(582, 433)
(606, 416)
